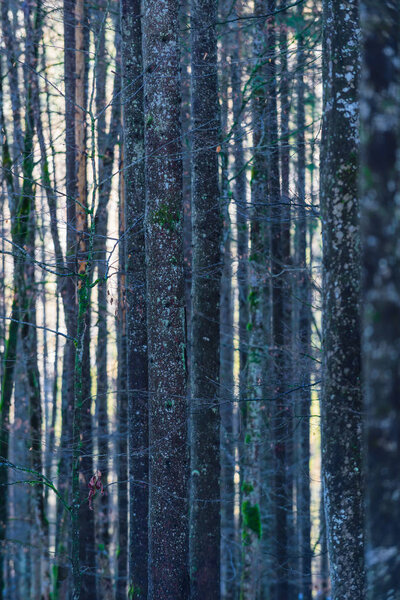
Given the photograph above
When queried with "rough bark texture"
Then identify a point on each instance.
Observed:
(303, 335)
(122, 407)
(134, 189)
(341, 402)
(105, 153)
(228, 530)
(380, 179)
(168, 442)
(206, 278)
(280, 418)
(284, 90)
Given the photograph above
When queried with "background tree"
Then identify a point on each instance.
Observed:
(380, 228)
(206, 280)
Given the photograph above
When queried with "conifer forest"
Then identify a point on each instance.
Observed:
(200, 299)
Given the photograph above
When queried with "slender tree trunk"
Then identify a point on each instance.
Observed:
(229, 563)
(105, 158)
(341, 404)
(324, 568)
(241, 202)
(168, 474)
(206, 280)
(68, 294)
(250, 487)
(134, 188)
(380, 178)
(122, 405)
(61, 569)
(21, 233)
(256, 558)
(303, 333)
(12, 68)
(82, 425)
(287, 291)
(280, 418)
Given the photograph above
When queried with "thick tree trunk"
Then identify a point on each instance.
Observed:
(168, 440)
(380, 179)
(206, 279)
(341, 401)
(134, 189)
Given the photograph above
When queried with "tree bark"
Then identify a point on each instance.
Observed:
(341, 395)
(380, 179)
(168, 440)
(134, 189)
(229, 562)
(256, 360)
(206, 280)
(122, 405)
(303, 333)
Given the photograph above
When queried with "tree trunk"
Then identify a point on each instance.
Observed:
(303, 334)
(105, 156)
(380, 179)
(256, 360)
(280, 418)
(206, 279)
(229, 563)
(134, 189)
(22, 306)
(168, 468)
(122, 406)
(341, 401)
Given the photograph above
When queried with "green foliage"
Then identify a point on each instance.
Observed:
(54, 573)
(251, 517)
(254, 357)
(253, 299)
(247, 488)
(165, 217)
(133, 591)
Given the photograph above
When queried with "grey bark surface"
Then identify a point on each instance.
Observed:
(105, 153)
(280, 416)
(137, 358)
(256, 359)
(341, 395)
(206, 279)
(168, 439)
(122, 406)
(380, 180)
